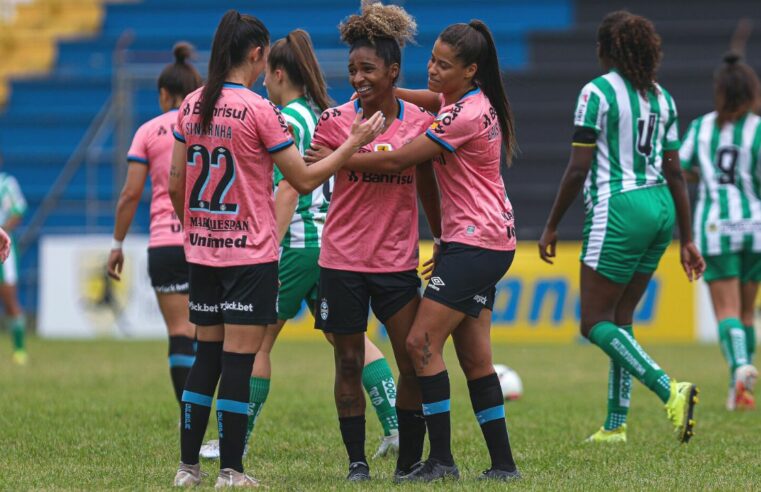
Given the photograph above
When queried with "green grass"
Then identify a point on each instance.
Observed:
(97, 415)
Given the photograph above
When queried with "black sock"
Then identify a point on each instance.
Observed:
(182, 354)
(411, 437)
(232, 408)
(353, 434)
(489, 407)
(435, 391)
(196, 399)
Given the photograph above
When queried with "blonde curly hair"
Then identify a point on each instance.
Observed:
(377, 21)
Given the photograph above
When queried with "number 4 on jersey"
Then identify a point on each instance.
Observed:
(645, 133)
(208, 161)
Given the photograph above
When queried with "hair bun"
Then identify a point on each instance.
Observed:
(182, 51)
(731, 58)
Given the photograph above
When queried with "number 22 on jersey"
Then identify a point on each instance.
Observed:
(210, 162)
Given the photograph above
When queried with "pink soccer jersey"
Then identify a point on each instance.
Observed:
(152, 146)
(372, 223)
(475, 209)
(229, 209)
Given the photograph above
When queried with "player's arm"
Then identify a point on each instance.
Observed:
(582, 152)
(17, 205)
(286, 201)
(692, 261)
(420, 150)
(12, 222)
(420, 97)
(428, 191)
(129, 199)
(177, 180)
(306, 178)
(5, 245)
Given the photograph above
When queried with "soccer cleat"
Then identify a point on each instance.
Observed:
(614, 435)
(681, 407)
(188, 475)
(389, 444)
(745, 380)
(430, 471)
(502, 475)
(400, 475)
(20, 357)
(210, 450)
(233, 478)
(359, 471)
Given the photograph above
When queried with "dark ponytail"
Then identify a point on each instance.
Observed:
(474, 43)
(180, 78)
(295, 55)
(736, 89)
(235, 36)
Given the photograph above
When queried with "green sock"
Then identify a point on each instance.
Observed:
(625, 350)
(750, 341)
(733, 342)
(18, 329)
(378, 381)
(619, 391)
(259, 388)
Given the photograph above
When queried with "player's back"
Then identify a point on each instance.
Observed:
(633, 130)
(230, 218)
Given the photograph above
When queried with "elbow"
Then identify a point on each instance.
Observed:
(302, 188)
(130, 197)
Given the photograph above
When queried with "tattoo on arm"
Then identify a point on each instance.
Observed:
(173, 172)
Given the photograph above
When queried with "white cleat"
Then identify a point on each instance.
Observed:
(231, 478)
(388, 445)
(188, 475)
(210, 450)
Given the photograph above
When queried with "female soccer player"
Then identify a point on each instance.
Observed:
(625, 154)
(220, 184)
(151, 153)
(12, 209)
(293, 80)
(722, 150)
(473, 125)
(369, 251)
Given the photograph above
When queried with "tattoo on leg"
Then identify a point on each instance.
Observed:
(348, 402)
(427, 350)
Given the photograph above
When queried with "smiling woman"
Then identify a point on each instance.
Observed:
(369, 249)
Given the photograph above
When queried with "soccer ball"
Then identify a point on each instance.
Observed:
(512, 387)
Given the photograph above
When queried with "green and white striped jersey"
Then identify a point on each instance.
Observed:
(728, 211)
(305, 230)
(632, 133)
(12, 201)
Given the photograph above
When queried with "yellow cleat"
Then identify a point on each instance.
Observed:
(680, 409)
(615, 435)
(20, 357)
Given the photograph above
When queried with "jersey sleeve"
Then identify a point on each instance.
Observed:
(672, 126)
(688, 151)
(138, 150)
(178, 132)
(17, 199)
(326, 132)
(453, 129)
(271, 127)
(590, 108)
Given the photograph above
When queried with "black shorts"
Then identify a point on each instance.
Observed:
(464, 277)
(240, 295)
(344, 297)
(168, 269)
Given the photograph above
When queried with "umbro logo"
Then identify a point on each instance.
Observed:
(436, 283)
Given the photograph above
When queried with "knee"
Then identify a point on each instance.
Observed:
(476, 365)
(349, 364)
(586, 329)
(416, 346)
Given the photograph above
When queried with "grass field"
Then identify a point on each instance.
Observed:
(100, 415)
